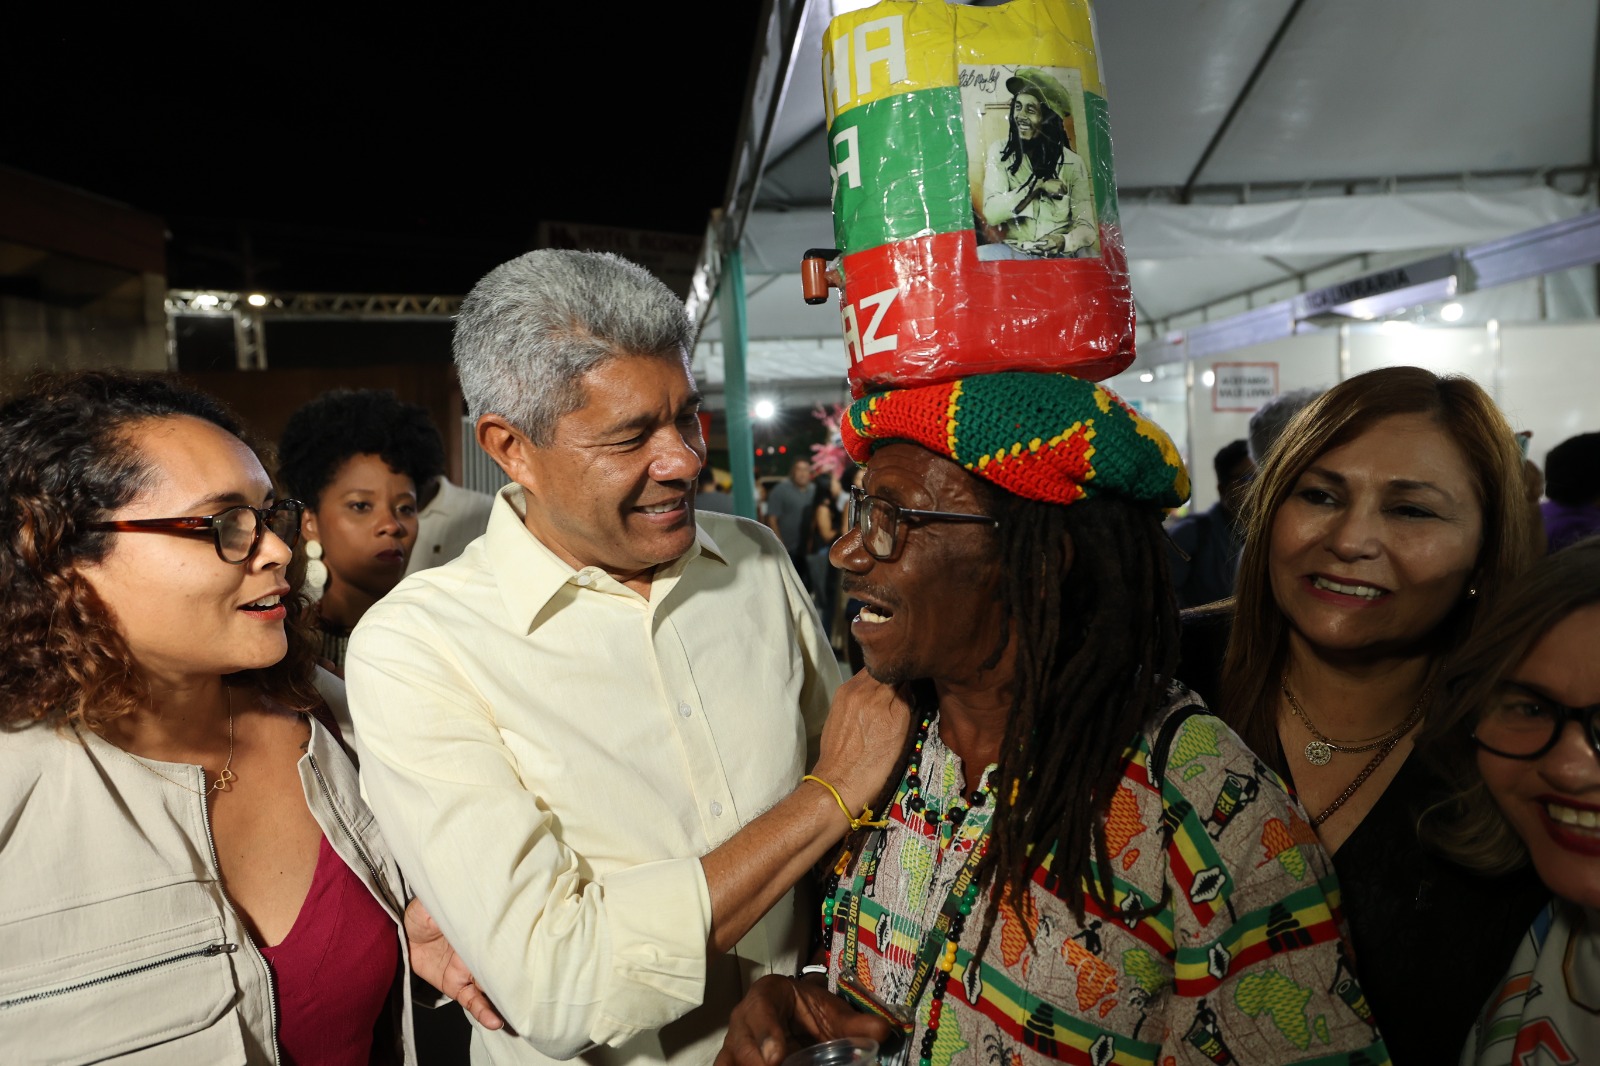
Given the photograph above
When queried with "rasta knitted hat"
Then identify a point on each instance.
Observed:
(1049, 437)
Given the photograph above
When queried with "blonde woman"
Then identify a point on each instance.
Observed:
(1386, 517)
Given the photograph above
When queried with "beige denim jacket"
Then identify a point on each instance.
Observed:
(117, 942)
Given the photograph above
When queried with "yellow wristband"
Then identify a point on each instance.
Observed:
(863, 822)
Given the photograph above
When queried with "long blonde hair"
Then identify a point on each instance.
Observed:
(1258, 642)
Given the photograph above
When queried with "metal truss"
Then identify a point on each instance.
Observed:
(311, 304)
(250, 310)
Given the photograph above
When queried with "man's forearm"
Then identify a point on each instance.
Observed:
(750, 873)
(861, 744)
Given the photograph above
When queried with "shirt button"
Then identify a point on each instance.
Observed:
(716, 809)
(685, 710)
(585, 579)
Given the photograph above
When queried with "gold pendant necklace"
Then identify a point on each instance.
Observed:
(1320, 749)
(225, 779)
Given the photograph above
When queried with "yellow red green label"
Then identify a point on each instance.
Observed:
(987, 126)
(901, 46)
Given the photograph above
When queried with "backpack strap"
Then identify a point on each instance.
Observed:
(1161, 751)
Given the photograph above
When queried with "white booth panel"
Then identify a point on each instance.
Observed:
(1550, 381)
(1545, 377)
(1172, 416)
(1303, 361)
(1164, 399)
(1468, 352)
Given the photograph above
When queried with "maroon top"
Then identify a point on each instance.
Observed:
(334, 970)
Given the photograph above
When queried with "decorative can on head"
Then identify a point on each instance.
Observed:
(1049, 437)
(974, 203)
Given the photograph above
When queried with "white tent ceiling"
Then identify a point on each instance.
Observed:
(1257, 141)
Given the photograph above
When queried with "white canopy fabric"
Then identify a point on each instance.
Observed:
(1370, 128)
(1327, 227)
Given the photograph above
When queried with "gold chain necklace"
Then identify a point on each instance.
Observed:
(1350, 789)
(1319, 751)
(224, 781)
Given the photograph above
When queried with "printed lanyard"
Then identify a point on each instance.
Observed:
(933, 940)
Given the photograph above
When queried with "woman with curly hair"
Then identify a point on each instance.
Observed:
(188, 870)
(357, 458)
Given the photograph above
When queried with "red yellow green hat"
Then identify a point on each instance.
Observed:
(1049, 437)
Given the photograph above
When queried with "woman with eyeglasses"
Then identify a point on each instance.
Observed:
(187, 871)
(1519, 735)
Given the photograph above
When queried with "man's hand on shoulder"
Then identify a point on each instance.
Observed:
(863, 739)
(861, 745)
(780, 1015)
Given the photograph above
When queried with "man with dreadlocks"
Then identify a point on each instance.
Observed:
(1037, 195)
(1077, 862)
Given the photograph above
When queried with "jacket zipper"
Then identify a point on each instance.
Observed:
(366, 859)
(222, 948)
(378, 884)
(216, 864)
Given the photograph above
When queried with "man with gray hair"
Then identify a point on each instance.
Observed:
(1273, 417)
(584, 738)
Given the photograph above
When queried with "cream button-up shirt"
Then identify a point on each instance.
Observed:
(549, 754)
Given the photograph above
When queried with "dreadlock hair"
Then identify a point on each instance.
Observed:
(1090, 602)
(1096, 627)
(1045, 151)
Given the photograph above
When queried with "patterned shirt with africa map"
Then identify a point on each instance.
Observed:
(1243, 962)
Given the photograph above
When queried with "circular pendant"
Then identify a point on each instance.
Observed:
(1318, 753)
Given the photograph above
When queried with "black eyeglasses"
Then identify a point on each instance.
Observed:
(236, 531)
(878, 521)
(1520, 723)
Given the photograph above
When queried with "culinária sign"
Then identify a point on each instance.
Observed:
(1334, 298)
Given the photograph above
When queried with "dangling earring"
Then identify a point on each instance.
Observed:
(1472, 590)
(316, 569)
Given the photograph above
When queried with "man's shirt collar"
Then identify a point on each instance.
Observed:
(529, 574)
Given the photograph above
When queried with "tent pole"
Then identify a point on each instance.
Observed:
(735, 386)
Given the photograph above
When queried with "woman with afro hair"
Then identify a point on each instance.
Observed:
(356, 457)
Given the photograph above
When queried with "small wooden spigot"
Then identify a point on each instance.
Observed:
(816, 275)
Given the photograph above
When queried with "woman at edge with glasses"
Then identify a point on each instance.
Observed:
(1527, 687)
(187, 869)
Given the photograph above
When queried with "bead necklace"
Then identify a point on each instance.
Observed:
(947, 963)
(1319, 751)
(949, 823)
(941, 942)
(224, 781)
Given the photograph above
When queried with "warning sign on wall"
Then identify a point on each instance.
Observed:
(1243, 386)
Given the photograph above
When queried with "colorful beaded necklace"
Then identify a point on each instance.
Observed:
(912, 799)
(936, 955)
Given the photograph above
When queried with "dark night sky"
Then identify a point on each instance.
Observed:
(398, 153)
